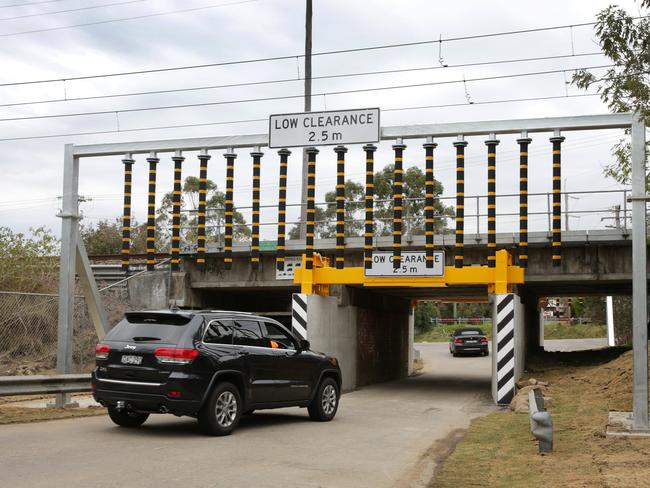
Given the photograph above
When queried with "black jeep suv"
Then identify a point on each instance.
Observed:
(211, 365)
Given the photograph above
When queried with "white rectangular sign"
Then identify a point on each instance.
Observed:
(413, 264)
(358, 126)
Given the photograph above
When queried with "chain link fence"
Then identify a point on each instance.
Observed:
(28, 331)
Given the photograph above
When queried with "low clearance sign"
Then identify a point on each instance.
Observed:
(358, 126)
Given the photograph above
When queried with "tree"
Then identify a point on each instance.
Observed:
(28, 263)
(214, 219)
(413, 214)
(413, 205)
(105, 237)
(625, 86)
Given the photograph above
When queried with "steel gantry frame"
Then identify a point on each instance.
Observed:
(498, 278)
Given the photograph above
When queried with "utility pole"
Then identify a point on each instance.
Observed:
(305, 164)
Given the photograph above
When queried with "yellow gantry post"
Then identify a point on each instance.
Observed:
(204, 157)
(282, 208)
(255, 227)
(429, 146)
(492, 144)
(227, 238)
(340, 206)
(176, 210)
(557, 141)
(523, 142)
(499, 279)
(126, 218)
(151, 212)
(460, 145)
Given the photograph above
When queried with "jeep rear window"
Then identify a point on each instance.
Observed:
(158, 318)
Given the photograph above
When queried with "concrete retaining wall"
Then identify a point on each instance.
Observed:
(150, 290)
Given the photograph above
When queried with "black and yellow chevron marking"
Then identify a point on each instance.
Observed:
(340, 206)
(460, 203)
(151, 214)
(311, 194)
(282, 208)
(557, 199)
(492, 201)
(523, 201)
(255, 221)
(398, 201)
(176, 212)
(200, 241)
(369, 231)
(227, 239)
(428, 201)
(126, 217)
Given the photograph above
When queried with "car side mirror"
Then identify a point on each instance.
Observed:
(304, 345)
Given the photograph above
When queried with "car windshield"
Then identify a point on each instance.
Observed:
(469, 332)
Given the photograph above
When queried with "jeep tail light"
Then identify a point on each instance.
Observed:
(173, 355)
(484, 339)
(458, 340)
(101, 351)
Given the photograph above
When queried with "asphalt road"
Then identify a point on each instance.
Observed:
(386, 435)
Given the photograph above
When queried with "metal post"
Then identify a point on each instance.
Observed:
(340, 206)
(176, 210)
(126, 218)
(491, 144)
(151, 212)
(460, 201)
(398, 191)
(305, 157)
(311, 210)
(282, 207)
(611, 339)
(429, 146)
(523, 142)
(69, 235)
(639, 277)
(557, 141)
(204, 157)
(255, 227)
(230, 178)
(369, 228)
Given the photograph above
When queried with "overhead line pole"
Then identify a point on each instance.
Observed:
(305, 161)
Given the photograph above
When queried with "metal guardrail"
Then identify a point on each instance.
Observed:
(44, 384)
(541, 423)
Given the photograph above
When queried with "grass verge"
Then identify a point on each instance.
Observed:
(12, 413)
(499, 450)
(559, 330)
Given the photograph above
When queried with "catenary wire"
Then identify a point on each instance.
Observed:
(78, 9)
(288, 80)
(289, 97)
(293, 56)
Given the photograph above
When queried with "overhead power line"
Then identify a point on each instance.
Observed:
(294, 56)
(288, 97)
(30, 3)
(290, 80)
(205, 124)
(144, 16)
(72, 10)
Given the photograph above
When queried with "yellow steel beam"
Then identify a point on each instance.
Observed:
(498, 279)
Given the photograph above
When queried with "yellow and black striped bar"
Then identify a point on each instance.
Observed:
(523, 142)
(492, 144)
(460, 145)
(282, 208)
(230, 178)
(176, 211)
(369, 231)
(311, 211)
(557, 198)
(126, 218)
(340, 206)
(204, 157)
(151, 212)
(255, 221)
(398, 182)
(429, 146)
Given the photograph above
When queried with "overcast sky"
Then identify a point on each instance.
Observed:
(31, 170)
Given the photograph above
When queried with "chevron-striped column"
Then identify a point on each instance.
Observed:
(299, 314)
(503, 348)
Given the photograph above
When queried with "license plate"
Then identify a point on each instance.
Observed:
(470, 342)
(130, 359)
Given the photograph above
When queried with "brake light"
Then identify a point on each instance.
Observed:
(458, 340)
(174, 394)
(172, 355)
(484, 339)
(101, 351)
